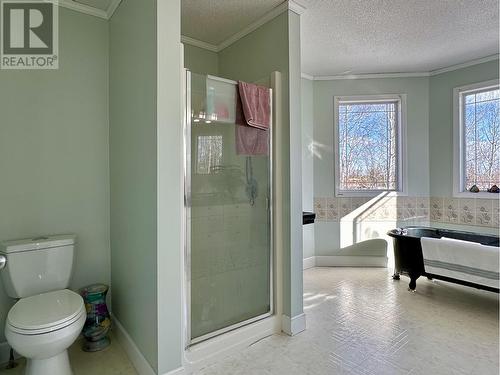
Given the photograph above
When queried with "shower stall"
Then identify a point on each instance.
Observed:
(229, 236)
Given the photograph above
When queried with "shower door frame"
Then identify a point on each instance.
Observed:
(187, 222)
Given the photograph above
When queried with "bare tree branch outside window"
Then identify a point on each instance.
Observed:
(482, 138)
(368, 145)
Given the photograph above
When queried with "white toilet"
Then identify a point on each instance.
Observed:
(48, 318)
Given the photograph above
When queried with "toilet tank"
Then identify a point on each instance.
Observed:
(37, 265)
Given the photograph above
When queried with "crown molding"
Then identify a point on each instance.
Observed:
(112, 8)
(296, 7)
(371, 76)
(403, 75)
(464, 65)
(199, 43)
(273, 13)
(91, 11)
(283, 7)
(82, 8)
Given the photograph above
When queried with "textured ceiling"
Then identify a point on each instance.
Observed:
(393, 36)
(213, 21)
(363, 36)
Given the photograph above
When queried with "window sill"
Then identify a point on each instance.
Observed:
(482, 194)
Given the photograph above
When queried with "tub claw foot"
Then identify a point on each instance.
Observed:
(413, 281)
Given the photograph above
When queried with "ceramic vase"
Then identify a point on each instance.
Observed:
(96, 328)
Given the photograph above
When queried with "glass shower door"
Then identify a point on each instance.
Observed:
(229, 220)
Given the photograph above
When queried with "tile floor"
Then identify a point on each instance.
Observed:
(359, 322)
(111, 361)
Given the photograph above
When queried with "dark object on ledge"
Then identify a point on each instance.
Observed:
(408, 256)
(494, 189)
(308, 217)
(474, 189)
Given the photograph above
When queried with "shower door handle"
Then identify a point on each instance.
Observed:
(3, 261)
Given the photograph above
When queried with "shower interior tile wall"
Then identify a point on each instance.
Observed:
(228, 254)
(409, 210)
(230, 237)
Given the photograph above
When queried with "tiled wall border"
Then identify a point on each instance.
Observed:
(465, 211)
(410, 209)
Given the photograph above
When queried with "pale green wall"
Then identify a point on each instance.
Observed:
(133, 174)
(307, 162)
(429, 136)
(441, 121)
(295, 155)
(253, 58)
(170, 188)
(199, 60)
(54, 149)
(441, 130)
(240, 62)
(417, 127)
(328, 234)
(60, 135)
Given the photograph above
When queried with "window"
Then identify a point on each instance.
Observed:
(368, 144)
(209, 153)
(477, 137)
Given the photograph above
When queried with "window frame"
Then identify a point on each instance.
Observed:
(401, 169)
(459, 138)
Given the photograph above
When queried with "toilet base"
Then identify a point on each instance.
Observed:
(57, 365)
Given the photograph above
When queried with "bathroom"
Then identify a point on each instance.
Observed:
(105, 147)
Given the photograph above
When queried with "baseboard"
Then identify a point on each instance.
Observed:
(344, 261)
(134, 354)
(350, 261)
(309, 262)
(295, 325)
(178, 371)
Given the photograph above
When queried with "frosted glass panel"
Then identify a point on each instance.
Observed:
(230, 252)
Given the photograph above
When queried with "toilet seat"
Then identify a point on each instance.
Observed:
(46, 312)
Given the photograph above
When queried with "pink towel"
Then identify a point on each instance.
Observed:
(249, 140)
(256, 106)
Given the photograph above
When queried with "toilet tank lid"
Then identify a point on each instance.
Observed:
(37, 243)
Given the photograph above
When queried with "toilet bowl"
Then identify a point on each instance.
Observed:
(47, 317)
(42, 327)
